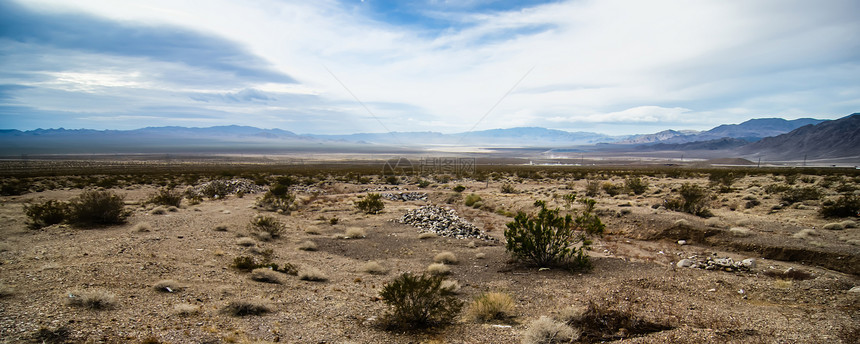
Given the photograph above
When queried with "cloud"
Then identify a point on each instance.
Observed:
(434, 65)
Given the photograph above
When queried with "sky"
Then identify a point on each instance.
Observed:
(337, 67)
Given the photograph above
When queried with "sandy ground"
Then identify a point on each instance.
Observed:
(634, 270)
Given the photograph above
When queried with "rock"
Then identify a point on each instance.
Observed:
(682, 242)
(855, 289)
(748, 263)
(686, 263)
(443, 222)
(405, 196)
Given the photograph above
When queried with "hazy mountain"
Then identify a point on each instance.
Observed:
(513, 137)
(830, 139)
(750, 131)
(718, 144)
(664, 135)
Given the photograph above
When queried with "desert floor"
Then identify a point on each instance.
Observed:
(634, 269)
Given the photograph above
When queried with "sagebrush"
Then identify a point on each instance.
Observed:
(418, 301)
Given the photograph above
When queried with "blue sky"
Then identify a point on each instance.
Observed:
(334, 67)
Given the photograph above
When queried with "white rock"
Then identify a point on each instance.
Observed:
(682, 242)
(855, 289)
(685, 263)
(748, 263)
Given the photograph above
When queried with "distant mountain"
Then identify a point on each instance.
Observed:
(664, 135)
(513, 137)
(830, 139)
(750, 131)
(718, 144)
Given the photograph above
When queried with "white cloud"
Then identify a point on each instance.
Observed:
(688, 57)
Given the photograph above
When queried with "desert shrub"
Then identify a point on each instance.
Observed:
(446, 257)
(266, 224)
(91, 299)
(423, 183)
(222, 227)
(333, 221)
(801, 194)
(776, 188)
(426, 235)
(308, 246)
(374, 268)
(547, 239)
(313, 275)
(14, 187)
(371, 204)
(459, 188)
(265, 275)
(216, 189)
(471, 200)
(789, 274)
(47, 213)
(59, 335)
(845, 188)
(273, 200)
(158, 211)
(438, 269)
(545, 330)
(97, 208)
(844, 206)
(724, 179)
(752, 202)
(451, 286)
(636, 185)
(592, 187)
(246, 242)
(248, 264)
(791, 178)
(186, 309)
(166, 197)
(355, 233)
(392, 180)
(167, 286)
(491, 306)
(601, 323)
(418, 301)
(612, 189)
(508, 189)
(242, 308)
(693, 199)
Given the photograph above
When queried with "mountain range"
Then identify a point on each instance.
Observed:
(771, 137)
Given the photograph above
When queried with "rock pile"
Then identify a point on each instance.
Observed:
(710, 263)
(405, 196)
(443, 222)
(223, 187)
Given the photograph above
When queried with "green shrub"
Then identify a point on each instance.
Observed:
(459, 188)
(418, 301)
(636, 185)
(393, 180)
(371, 204)
(423, 183)
(472, 199)
(547, 239)
(612, 189)
(276, 199)
(795, 195)
(266, 224)
(45, 214)
(693, 199)
(167, 197)
(97, 208)
(845, 206)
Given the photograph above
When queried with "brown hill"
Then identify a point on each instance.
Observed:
(832, 139)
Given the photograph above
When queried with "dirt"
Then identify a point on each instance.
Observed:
(634, 271)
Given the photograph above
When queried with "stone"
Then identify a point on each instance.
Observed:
(682, 242)
(685, 263)
(748, 263)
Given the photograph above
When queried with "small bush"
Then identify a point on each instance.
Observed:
(426, 235)
(45, 214)
(222, 227)
(612, 189)
(446, 257)
(308, 246)
(186, 309)
(438, 269)
(451, 286)
(355, 233)
(91, 299)
(471, 200)
(277, 199)
(246, 242)
(142, 227)
(508, 189)
(845, 206)
(548, 238)
(166, 197)
(491, 306)
(693, 199)
(592, 188)
(266, 224)
(247, 264)
(242, 308)
(167, 286)
(59, 335)
(371, 204)
(545, 330)
(459, 188)
(97, 208)
(795, 195)
(418, 301)
(313, 275)
(374, 268)
(636, 185)
(216, 189)
(423, 183)
(266, 275)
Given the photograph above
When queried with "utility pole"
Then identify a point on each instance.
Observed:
(759, 162)
(804, 160)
